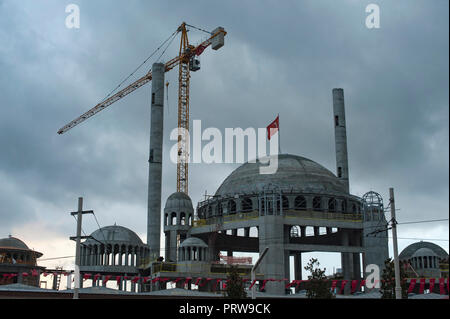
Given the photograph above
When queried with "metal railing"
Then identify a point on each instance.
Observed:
(306, 214)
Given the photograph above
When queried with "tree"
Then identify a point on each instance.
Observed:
(235, 286)
(317, 286)
(387, 289)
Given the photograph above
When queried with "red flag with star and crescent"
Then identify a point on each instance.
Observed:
(273, 127)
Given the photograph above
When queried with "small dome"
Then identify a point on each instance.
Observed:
(116, 234)
(193, 242)
(424, 252)
(13, 243)
(409, 251)
(178, 201)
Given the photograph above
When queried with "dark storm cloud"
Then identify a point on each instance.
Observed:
(279, 58)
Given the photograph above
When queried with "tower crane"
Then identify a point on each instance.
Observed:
(186, 62)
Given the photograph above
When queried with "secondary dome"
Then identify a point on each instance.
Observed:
(178, 201)
(295, 173)
(12, 242)
(409, 251)
(119, 234)
(193, 242)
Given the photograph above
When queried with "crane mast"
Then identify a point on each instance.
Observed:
(183, 112)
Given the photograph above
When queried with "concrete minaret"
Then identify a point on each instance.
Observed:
(155, 160)
(340, 135)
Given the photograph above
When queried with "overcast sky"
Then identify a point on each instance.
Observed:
(279, 57)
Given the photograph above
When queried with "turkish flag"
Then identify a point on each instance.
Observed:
(34, 273)
(118, 279)
(106, 279)
(273, 127)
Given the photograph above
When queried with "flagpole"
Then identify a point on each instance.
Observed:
(279, 135)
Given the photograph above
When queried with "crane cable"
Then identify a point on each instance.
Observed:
(145, 61)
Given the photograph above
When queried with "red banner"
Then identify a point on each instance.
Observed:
(118, 278)
(343, 284)
(412, 284)
(422, 285)
(333, 285)
(87, 276)
(354, 284)
(431, 288)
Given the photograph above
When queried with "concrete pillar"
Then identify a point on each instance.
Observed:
(155, 160)
(340, 135)
(234, 232)
(297, 267)
(316, 231)
(346, 262)
(247, 232)
(302, 231)
(272, 235)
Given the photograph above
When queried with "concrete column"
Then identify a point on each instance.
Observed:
(173, 245)
(247, 231)
(297, 267)
(346, 262)
(316, 231)
(303, 231)
(340, 134)
(234, 232)
(155, 160)
(271, 235)
(329, 230)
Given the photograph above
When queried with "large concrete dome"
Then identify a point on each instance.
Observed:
(116, 234)
(294, 174)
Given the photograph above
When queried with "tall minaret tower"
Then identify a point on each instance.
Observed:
(340, 136)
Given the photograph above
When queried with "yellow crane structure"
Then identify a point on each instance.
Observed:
(187, 62)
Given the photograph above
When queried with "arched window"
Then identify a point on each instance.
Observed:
(344, 206)
(247, 204)
(285, 203)
(317, 203)
(300, 203)
(209, 211)
(332, 205)
(232, 207)
(183, 219)
(190, 220)
(173, 219)
(166, 219)
(295, 231)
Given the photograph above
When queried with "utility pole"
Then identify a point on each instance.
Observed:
(78, 238)
(398, 288)
(254, 269)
